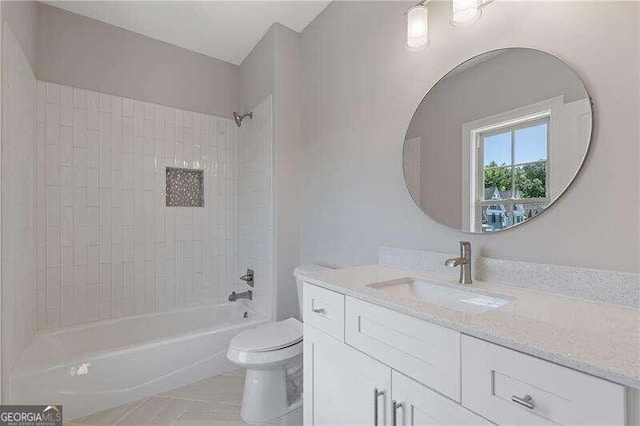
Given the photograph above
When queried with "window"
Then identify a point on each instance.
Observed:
(512, 173)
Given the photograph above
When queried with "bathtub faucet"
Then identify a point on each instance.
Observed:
(244, 295)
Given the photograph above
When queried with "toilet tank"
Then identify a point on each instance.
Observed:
(300, 270)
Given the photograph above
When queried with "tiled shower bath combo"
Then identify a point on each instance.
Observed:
(138, 221)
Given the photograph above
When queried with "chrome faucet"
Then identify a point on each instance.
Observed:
(464, 262)
(244, 295)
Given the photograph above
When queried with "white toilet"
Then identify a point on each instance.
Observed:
(272, 356)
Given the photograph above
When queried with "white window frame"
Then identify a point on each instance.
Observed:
(478, 182)
(470, 151)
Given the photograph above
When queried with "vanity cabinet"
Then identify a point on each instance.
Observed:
(345, 386)
(341, 385)
(366, 364)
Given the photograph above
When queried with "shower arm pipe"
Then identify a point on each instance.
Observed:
(239, 117)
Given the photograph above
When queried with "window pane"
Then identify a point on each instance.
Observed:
(497, 183)
(531, 144)
(495, 217)
(526, 211)
(497, 149)
(531, 180)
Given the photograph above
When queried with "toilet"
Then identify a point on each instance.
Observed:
(272, 355)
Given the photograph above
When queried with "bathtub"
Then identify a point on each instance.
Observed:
(94, 366)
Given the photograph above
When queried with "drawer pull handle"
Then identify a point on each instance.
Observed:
(394, 413)
(376, 394)
(413, 415)
(525, 401)
(319, 310)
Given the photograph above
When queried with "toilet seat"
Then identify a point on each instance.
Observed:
(268, 337)
(267, 346)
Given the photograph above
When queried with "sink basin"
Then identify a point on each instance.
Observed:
(441, 294)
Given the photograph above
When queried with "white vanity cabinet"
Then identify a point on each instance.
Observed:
(365, 364)
(344, 386)
(341, 385)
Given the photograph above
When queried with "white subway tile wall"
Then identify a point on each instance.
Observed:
(18, 201)
(256, 203)
(107, 244)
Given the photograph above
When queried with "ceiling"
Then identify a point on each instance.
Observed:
(226, 30)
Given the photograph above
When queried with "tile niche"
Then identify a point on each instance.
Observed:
(185, 187)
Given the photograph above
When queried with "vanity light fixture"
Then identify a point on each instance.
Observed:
(466, 12)
(463, 12)
(418, 27)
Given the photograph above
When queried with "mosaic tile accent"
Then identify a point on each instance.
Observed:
(185, 187)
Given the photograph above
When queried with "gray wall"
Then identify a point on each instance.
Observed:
(287, 115)
(18, 263)
(77, 51)
(273, 67)
(21, 17)
(361, 87)
(257, 72)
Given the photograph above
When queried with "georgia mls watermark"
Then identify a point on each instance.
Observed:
(30, 415)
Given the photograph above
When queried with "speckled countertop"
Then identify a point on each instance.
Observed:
(593, 337)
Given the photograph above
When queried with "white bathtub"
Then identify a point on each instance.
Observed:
(88, 368)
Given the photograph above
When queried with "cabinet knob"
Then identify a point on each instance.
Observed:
(319, 310)
(525, 401)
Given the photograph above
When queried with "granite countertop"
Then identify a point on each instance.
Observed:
(593, 337)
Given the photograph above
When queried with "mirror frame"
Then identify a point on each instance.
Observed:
(583, 160)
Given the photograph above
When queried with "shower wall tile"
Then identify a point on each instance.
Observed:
(109, 245)
(21, 276)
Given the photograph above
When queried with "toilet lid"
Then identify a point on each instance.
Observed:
(268, 337)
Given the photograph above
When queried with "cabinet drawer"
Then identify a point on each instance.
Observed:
(426, 352)
(509, 387)
(324, 310)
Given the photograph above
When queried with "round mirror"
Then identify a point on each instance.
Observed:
(497, 140)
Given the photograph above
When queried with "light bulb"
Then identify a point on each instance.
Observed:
(465, 12)
(417, 27)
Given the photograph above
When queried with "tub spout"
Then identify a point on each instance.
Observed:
(244, 295)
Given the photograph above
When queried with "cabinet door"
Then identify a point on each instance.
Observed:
(423, 406)
(340, 383)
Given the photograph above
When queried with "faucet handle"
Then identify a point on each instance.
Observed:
(248, 278)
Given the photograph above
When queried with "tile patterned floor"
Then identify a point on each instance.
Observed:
(215, 401)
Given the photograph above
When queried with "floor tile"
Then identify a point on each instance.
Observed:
(222, 388)
(213, 401)
(211, 413)
(239, 372)
(145, 413)
(171, 412)
(110, 416)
